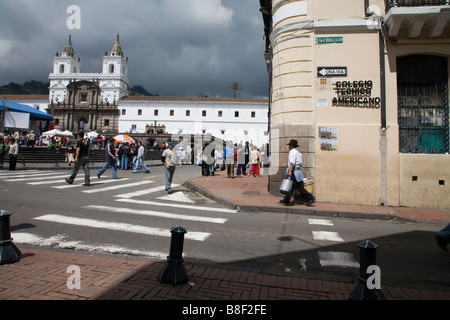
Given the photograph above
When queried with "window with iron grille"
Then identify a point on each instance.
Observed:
(423, 104)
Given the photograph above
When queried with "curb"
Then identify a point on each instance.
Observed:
(303, 211)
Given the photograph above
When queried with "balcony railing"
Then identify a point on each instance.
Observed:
(415, 3)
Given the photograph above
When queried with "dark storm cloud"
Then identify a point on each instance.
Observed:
(175, 47)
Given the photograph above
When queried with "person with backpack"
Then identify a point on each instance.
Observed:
(81, 160)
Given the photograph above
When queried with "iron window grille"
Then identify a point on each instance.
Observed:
(423, 105)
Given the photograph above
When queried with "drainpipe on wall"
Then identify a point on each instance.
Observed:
(383, 200)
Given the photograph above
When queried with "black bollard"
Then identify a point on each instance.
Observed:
(57, 155)
(8, 251)
(367, 251)
(174, 271)
(92, 158)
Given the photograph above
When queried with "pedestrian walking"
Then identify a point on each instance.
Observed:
(81, 160)
(254, 160)
(125, 155)
(140, 159)
(69, 153)
(205, 165)
(294, 171)
(246, 159)
(13, 152)
(31, 140)
(228, 156)
(240, 162)
(170, 160)
(110, 158)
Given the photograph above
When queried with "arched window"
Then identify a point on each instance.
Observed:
(61, 68)
(111, 68)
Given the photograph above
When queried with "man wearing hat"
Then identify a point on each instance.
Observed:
(294, 171)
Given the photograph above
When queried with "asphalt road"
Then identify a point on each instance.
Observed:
(134, 214)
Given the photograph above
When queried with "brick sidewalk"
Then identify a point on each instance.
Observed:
(42, 275)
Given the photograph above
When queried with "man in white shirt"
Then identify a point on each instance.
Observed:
(294, 171)
(170, 159)
(140, 159)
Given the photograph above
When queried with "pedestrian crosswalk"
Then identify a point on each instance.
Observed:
(134, 203)
(130, 195)
(331, 258)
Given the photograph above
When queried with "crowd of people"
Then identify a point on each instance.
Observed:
(237, 160)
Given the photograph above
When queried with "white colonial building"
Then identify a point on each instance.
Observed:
(233, 119)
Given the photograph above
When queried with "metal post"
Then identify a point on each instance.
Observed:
(8, 251)
(174, 271)
(57, 155)
(367, 257)
(92, 158)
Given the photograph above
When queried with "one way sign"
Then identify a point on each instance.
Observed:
(332, 71)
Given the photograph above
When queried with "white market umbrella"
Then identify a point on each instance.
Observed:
(91, 134)
(67, 133)
(54, 132)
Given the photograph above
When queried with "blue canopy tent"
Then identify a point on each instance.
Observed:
(17, 107)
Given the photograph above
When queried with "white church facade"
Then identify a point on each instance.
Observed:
(113, 81)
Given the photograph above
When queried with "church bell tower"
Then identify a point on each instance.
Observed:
(115, 71)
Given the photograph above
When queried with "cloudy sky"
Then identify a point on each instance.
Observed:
(174, 47)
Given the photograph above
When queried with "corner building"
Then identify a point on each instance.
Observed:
(363, 86)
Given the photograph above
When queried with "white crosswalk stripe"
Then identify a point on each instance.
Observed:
(143, 192)
(53, 181)
(12, 173)
(25, 177)
(46, 177)
(68, 186)
(133, 184)
(59, 241)
(340, 259)
(178, 205)
(327, 235)
(93, 223)
(323, 222)
(157, 214)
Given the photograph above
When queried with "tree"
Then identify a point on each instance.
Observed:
(235, 86)
(203, 95)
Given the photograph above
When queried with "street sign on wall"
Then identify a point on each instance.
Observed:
(328, 40)
(331, 71)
